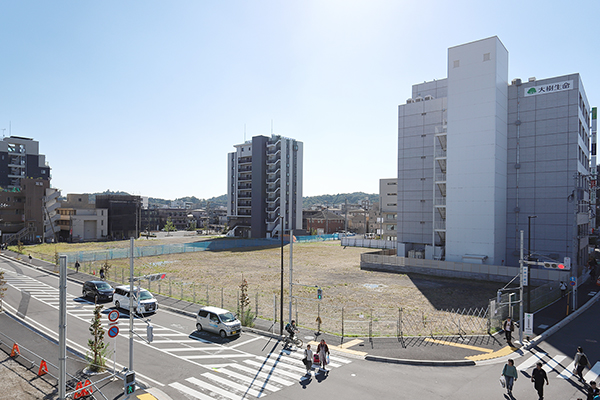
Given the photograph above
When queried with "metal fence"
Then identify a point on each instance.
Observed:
(176, 248)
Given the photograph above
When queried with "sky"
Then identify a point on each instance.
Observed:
(148, 97)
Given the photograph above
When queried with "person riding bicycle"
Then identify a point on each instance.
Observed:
(291, 328)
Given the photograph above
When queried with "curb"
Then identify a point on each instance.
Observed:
(534, 342)
(431, 363)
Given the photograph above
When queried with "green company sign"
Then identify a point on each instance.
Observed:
(549, 88)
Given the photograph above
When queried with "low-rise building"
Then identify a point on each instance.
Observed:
(80, 220)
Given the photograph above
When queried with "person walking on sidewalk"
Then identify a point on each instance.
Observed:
(563, 288)
(581, 361)
(77, 266)
(323, 351)
(510, 375)
(508, 327)
(538, 376)
(102, 273)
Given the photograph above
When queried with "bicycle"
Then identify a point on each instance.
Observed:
(295, 341)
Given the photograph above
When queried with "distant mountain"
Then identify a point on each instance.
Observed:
(331, 199)
(308, 201)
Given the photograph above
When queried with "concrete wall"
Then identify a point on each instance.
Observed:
(483, 272)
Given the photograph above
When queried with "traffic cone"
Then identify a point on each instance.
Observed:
(43, 368)
(15, 350)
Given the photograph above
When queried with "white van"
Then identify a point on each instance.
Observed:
(146, 304)
(218, 320)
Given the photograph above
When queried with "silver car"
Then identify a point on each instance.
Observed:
(218, 320)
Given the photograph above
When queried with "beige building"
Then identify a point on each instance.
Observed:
(80, 220)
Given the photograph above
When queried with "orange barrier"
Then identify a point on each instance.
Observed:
(43, 368)
(83, 389)
(15, 350)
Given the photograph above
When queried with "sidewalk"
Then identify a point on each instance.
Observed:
(445, 351)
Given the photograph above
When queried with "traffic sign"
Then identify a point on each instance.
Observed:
(113, 331)
(113, 315)
(573, 281)
(528, 328)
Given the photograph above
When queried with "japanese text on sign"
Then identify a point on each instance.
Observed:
(548, 88)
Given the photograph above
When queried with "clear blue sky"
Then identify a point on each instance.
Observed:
(148, 97)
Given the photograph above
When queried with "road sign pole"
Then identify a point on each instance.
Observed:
(130, 304)
(62, 328)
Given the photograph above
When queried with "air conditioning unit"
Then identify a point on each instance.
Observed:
(418, 99)
(428, 97)
(532, 79)
(410, 100)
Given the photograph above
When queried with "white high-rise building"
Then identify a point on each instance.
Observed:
(480, 159)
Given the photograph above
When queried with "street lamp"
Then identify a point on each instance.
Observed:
(529, 217)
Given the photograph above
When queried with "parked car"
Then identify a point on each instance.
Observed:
(147, 303)
(219, 321)
(98, 290)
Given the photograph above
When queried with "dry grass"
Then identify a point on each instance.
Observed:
(325, 264)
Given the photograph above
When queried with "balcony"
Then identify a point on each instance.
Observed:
(440, 153)
(244, 178)
(244, 186)
(244, 160)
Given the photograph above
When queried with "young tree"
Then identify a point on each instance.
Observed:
(106, 266)
(98, 348)
(246, 316)
(169, 226)
(2, 288)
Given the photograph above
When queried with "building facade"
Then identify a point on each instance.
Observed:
(388, 206)
(80, 220)
(264, 183)
(479, 159)
(27, 202)
(124, 215)
(20, 158)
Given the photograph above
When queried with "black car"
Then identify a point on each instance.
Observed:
(98, 290)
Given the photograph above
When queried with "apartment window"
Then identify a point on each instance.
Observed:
(392, 194)
(486, 57)
(392, 204)
(456, 63)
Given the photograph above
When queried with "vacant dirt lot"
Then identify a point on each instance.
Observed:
(334, 268)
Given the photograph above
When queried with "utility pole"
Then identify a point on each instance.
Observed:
(521, 265)
(529, 217)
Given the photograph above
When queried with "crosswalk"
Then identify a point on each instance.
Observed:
(560, 365)
(251, 378)
(226, 372)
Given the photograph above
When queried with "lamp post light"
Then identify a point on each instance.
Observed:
(529, 217)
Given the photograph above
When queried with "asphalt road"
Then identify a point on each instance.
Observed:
(185, 364)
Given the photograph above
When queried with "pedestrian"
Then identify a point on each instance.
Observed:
(101, 273)
(563, 288)
(581, 361)
(30, 259)
(593, 391)
(308, 359)
(538, 376)
(510, 375)
(508, 327)
(323, 351)
(77, 266)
